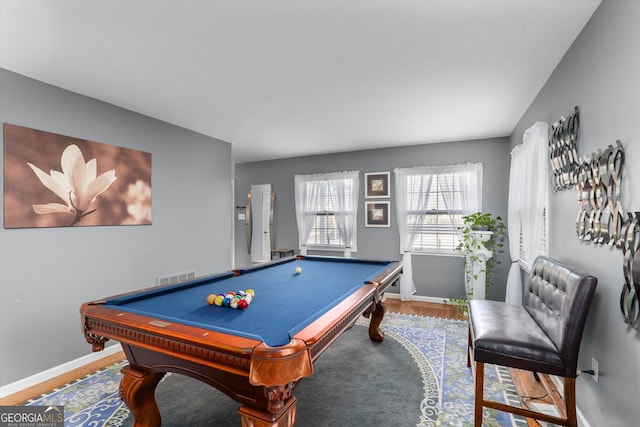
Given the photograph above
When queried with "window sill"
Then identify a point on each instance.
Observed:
(446, 254)
(329, 248)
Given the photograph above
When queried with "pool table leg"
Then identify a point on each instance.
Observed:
(137, 390)
(252, 417)
(378, 310)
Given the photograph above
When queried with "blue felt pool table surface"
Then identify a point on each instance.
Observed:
(284, 302)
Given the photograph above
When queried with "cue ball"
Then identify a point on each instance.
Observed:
(298, 270)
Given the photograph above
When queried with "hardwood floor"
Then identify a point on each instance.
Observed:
(60, 380)
(528, 388)
(430, 309)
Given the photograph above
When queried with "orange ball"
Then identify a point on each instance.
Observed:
(211, 299)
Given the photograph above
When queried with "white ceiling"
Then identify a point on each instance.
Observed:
(289, 78)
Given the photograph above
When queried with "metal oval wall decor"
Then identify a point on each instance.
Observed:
(597, 179)
(600, 214)
(563, 151)
(630, 245)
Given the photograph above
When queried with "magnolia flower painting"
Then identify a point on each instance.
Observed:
(77, 185)
(111, 188)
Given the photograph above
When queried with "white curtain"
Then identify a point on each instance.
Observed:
(406, 184)
(513, 293)
(306, 200)
(470, 180)
(528, 203)
(413, 187)
(335, 192)
(343, 201)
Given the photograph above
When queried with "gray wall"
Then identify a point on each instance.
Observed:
(434, 276)
(600, 74)
(47, 273)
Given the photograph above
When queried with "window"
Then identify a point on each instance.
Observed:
(325, 230)
(438, 230)
(326, 211)
(432, 201)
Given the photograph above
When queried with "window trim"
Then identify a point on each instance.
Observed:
(354, 177)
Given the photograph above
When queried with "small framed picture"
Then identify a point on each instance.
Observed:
(377, 214)
(377, 185)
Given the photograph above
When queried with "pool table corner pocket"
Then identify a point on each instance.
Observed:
(277, 366)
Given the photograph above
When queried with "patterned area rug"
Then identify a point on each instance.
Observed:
(438, 346)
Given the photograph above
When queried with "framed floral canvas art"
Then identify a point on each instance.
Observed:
(53, 180)
(377, 214)
(377, 185)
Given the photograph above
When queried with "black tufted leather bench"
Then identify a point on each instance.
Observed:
(543, 335)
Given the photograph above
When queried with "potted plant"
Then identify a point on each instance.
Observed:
(483, 222)
(470, 241)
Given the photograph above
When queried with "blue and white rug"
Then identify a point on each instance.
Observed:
(438, 347)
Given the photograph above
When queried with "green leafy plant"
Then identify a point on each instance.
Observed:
(468, 246)
(460, 303)
(484, 222)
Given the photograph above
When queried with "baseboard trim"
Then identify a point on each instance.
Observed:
(51, 373)
(582, 421)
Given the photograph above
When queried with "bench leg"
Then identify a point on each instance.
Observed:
(479, 382)
(570, 401)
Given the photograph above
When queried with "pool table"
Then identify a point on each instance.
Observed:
(254, 355)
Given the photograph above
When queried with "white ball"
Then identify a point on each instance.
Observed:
(298, 270)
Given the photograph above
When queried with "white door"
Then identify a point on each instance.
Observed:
(266, 226)
(260, 229)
